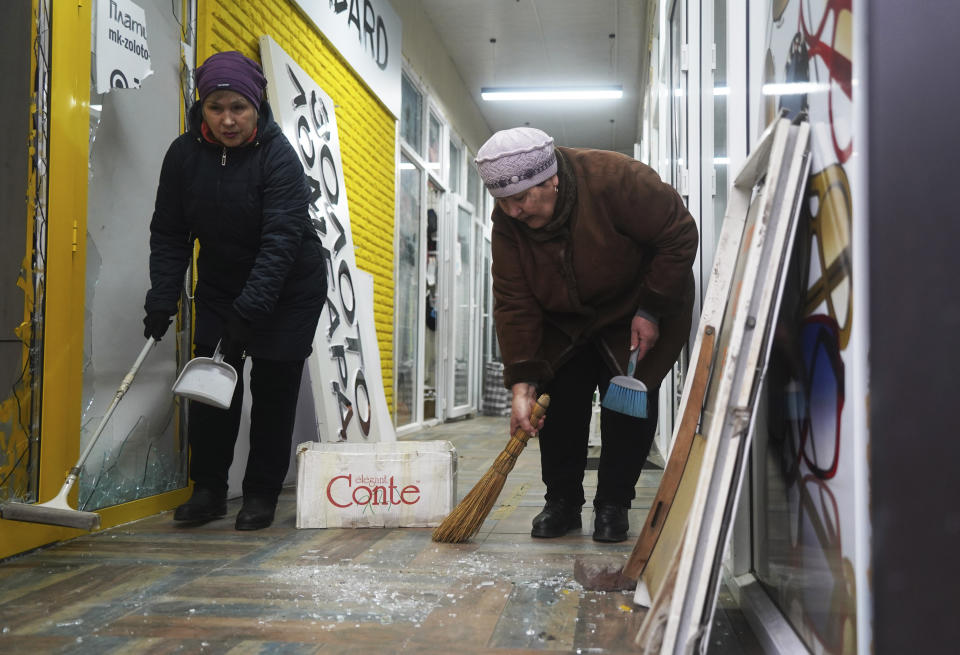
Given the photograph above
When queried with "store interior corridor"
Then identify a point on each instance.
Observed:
(152, 586)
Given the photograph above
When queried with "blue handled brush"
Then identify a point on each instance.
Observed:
(626, 394)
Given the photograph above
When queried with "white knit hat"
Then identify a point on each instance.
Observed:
(514, 160)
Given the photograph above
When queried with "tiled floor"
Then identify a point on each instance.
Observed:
(154, 587)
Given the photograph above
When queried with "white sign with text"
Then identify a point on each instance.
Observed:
(359, 485)
(123, 58)
(367, 33)
(344, 368)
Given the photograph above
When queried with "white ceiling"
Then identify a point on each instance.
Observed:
(549, 43)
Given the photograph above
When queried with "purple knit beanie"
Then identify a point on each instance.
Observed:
(514, 160)
(234, 72)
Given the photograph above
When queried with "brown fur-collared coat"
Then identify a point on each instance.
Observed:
(621, 241)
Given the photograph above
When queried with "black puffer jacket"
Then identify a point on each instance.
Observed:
(259, 254)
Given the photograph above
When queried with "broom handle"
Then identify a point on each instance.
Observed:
(519, 438)
(124, 385)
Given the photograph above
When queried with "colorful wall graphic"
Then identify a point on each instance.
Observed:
(805, 542)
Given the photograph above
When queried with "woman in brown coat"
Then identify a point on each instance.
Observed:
(592, 258)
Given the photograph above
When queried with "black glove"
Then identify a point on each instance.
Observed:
(236, 335)
(155, 324)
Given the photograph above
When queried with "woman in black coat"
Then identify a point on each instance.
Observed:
(234, 183)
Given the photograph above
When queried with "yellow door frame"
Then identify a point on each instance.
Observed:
(62, 388)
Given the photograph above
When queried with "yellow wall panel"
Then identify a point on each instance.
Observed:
(366, 131)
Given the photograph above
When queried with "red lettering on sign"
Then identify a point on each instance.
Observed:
(412, 488)
(377, 495)
(349, 480)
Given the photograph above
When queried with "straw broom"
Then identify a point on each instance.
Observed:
(466, 518)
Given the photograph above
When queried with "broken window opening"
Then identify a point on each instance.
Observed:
(142, 450)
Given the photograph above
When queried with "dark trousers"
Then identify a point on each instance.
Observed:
(274, 389)
(625, 440)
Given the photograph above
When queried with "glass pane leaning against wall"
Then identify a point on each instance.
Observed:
(408, 309)
(142, 450)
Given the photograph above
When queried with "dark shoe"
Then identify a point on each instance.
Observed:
(204, 505)
(256, 513)
(610, 523)
(557, 519)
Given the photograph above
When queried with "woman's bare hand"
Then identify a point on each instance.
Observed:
(524, 397)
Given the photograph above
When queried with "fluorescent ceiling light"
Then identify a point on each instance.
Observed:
(494, 94)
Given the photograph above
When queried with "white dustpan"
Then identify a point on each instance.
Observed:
(207, 380)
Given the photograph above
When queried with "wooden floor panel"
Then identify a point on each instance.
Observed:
(156, 587)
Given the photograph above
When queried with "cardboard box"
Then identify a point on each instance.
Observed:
(375, 485)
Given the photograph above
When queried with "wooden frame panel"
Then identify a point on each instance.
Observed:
(662, 519)
(767, 193)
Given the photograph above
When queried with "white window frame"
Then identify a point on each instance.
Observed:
(453, 200)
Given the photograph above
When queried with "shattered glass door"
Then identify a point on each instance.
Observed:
(142, 450)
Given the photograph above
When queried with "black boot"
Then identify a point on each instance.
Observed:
(610, 523)
(557, 519)
(257, 513)
(204, 505)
